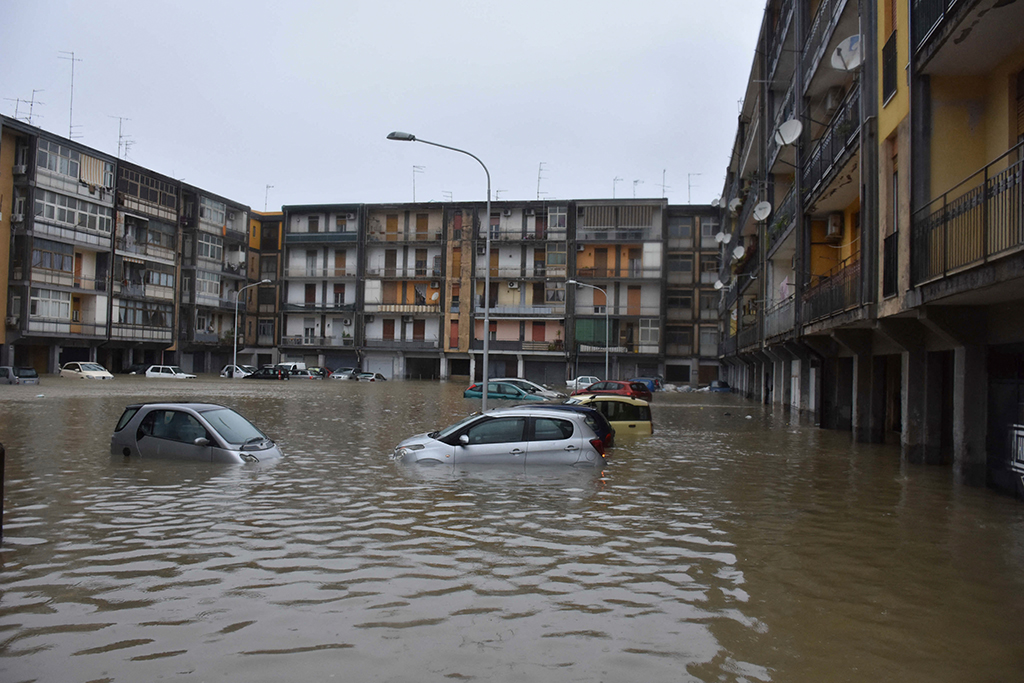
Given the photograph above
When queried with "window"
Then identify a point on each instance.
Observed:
(160, 278)
(58, 158)
(554, 292)
(72, 211)
(52, 255)
(650, 331)
(341, 224)
(709, 302)
(309, 330)
(268, 267)
(557, 221)
(680, 300)
(265, 328)
(551, 429)
(313, 223)
(421, 262)
(145, 313)
(210, 246)
(708, 341)
(339, 294)
(310, 262)
(709, 265)
(212, 211)
(708, 226)
(49, 303)
(208, 283)
(679, 336)
(680, 263)
(681, 228)
(148, 189)
(556, 254)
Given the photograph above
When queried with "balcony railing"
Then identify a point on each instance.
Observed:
(404, 344)
(889, 68)
(67, 279)
(423, 309)
(407, 272)
(890, 264)
(780, 318)
(65, 328)
(927, 15)
(141, 333)
(781, 218)
(841, 136)
(777, 38)
(978, 219)
(615, 235)
(833, 293)
(304, 272)
(748, 337)
(427, 236)
(515, 345)
(302, 340)
(321, 306)
(822, 26)
(319, 237)
(515, 311)
(626, 272)
(128, 244)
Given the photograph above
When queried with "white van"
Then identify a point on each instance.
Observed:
(291, 366)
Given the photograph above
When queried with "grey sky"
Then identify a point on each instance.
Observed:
(300, 95)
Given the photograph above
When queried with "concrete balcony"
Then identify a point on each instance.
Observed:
(319, 342)
(402, 344)
(402, 308)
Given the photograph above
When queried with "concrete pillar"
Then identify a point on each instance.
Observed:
(53, 360)
(970, 414)
(472, 367)
(443, 367)
(520, 366)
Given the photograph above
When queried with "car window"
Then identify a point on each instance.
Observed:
(25, 372)
(551, 429)
(500, 430)
(173, 425)
(92, 367)
(127, 415)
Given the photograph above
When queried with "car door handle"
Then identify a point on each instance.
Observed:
(516, 451)
(570, 447)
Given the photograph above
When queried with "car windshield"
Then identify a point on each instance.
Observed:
(448, 431)
(249, 368)
(93, 367)
(234, 428)
(25, 372)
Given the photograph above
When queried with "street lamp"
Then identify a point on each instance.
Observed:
(486, 224)
(607, 329)
(238, 294)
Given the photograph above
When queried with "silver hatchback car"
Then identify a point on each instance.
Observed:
(203, 432)
(521, 435)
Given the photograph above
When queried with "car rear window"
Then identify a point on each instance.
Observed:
(25, 372)
(127, 415)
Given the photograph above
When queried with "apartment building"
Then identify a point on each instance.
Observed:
(874, 190)
(262, 296)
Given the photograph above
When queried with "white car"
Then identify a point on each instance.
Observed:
(168, 371)
(582, 382)
(77, 370)
(237, 370)
(531, 387)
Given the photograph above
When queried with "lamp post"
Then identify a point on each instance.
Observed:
(238, 294)
(486, 224)
(607, 329)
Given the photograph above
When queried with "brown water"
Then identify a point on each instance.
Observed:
(730, 546)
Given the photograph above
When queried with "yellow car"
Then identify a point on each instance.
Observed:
(626, 415)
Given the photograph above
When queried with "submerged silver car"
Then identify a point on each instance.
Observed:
(203, 432)
(521, 435)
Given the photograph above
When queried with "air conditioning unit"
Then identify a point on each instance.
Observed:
(17, 218)
(435, 285)
(530, 212)
(835, 227)
(231, 215)
(406, 318)
(581, 247)
(481, 249)
(12, 321)
(506, 212)
(347, 322)
(833, 96)
(513, 285)
(369, 318)
(20, 169)
(351, 217)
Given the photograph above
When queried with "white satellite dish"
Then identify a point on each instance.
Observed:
(715, 202)
(738, 252)
(719, 284)
(762, 211)
(734, 204)
(720, 237)
(847, 55)
(433, 297)
(789, 132)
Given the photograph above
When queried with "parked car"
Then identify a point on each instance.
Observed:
(519, 435)
(653, 383)
(136, 369)
(582, 381)
(320, 371)
(344, 373)
(720, 386)
(237, 370)
(203, 432)
(305, 374)
(626, 415)
(13, 375)
(596, 419)
(271, 372)
(532, 387)
(78, 370)
(370, 377)
(621, 388)
(168, 372)
(500, 390)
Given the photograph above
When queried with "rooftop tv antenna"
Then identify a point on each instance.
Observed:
(615, 181)
(635, 183)
(540, 171)
(447, 194)
(71, 105)
(664, 187)
(266, 195)
(121, 137)
(415, 170)
(689, 187)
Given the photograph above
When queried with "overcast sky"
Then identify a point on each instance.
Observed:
(300, 95)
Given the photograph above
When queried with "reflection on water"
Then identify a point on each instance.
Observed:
(732, 545)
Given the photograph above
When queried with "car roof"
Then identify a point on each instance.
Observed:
(198, 407)
(610, 397)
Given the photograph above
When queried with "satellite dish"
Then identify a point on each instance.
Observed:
(762, 211)
(719, 284)
(433, 297)
(738, 252)
(715, 202)
(720, 237)
(734, 204)
(789, 132)
(722, 203)
(847, 56)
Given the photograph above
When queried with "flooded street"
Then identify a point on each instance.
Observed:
(730, 546)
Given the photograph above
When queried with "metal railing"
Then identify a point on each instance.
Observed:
(926, 16)
(890, 264)
(822, 25)
(748, 337)
(413, 236)
(889, 68)
(782, 217)
(625, 272)
(966, 227)
(777, 36)
(780, 318)
(842, 134)
(407, 344)
(834, 292)
(302, 340)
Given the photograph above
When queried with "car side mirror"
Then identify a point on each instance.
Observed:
(464, 439)
(201, 441)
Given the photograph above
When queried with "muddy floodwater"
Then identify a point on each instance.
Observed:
(733, 545)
